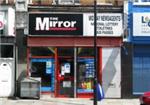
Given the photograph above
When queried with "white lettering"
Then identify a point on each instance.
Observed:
(60, 23)
(73, 23)
(42, 25)
(67, 24)
(55, 23)
(46, 23)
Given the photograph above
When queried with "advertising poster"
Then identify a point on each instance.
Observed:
(1, 21)
(11, 22)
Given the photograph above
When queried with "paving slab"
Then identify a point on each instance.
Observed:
(67, 101)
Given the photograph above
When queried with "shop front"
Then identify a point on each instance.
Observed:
(7, 51)
(60, 51)
(140, 37)
(65, 71)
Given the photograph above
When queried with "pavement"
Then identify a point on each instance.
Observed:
(46, 100)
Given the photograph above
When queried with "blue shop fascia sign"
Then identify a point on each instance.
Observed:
(139, 21)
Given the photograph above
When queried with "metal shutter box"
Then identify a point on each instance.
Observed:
(30, 88)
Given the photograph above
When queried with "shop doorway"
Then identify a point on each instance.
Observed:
(44, 68)
(75, 72)
(65, 75)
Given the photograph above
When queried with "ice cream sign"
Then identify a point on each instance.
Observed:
(1, 20)
(141, 24)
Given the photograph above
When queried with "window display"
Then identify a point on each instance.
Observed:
(85, 75)
(44, 68)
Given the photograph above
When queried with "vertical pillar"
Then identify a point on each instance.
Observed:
(75, 72)
(100, 66)
(95, 52)
(28, 61)
(56, 72)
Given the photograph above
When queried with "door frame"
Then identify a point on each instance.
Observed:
(57, 67)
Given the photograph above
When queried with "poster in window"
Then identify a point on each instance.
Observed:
(66, 84)
(67, 67)
(62, 70)
(1, 21)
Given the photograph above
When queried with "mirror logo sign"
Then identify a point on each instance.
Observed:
(55, 24)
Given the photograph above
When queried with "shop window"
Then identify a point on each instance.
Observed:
(10, 2)
(40, 2)
(43, 68)
(42, 51)
(65, 51)
(85, 75)
(6, 51)
(66, 1)
(75, 2)
(102, 2)
(85, 70)
(21, 5)
(85, 52)
(141, 2)
(38, 70)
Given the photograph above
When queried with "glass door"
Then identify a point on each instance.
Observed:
(65, 76)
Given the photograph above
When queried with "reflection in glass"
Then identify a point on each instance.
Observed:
(66, 52)
(42, 51)
(85, 52)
